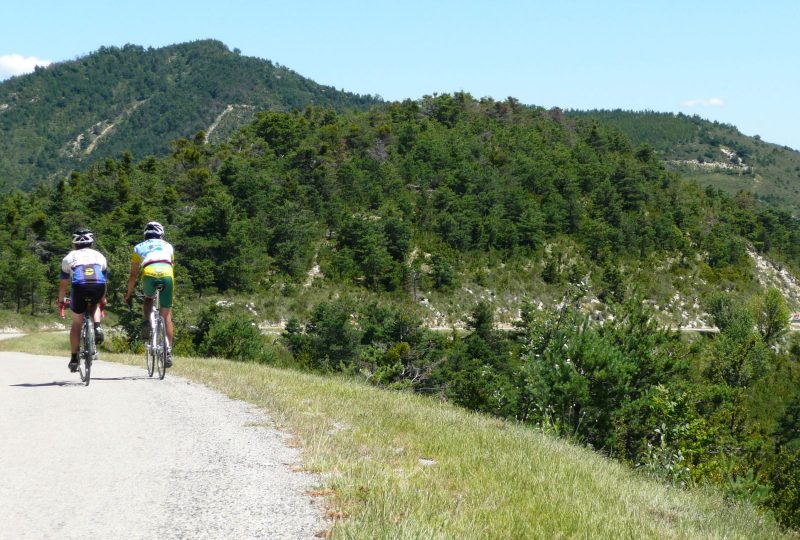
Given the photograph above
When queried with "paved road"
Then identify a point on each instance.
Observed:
(133, 457)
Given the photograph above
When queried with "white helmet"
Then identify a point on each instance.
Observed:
(154, 229)
(82, 238)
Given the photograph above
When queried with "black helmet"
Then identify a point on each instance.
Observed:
(154, 229)
(82, 238)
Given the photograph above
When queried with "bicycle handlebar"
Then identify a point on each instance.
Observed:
(66, 301)
(61, 305)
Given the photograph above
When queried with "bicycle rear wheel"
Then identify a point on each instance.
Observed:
(161, 347)
(87, 352)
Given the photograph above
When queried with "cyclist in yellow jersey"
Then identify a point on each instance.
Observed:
(155, 258)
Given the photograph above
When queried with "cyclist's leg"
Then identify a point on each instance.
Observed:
(166, 313)
(165, 303)
(75, 332)
(148, 307)
(165, 299)
(77, 305)
(96, 315)
(149, 289)
(96, 292)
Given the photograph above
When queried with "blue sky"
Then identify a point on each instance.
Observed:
(736, 62)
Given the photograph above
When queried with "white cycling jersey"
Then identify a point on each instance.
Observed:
(84, 266)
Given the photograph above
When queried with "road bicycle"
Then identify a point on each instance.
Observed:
(155, 348)
(87, 346)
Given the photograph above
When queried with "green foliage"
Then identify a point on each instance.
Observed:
(587, 378)
(739, 357)
(294, 339)
(701, 150)
(365, 243)
(664, 462)
(772, 316)
(233, 336)
(785, 498)
(612, 285)
(726, 311)
(359, 192)
(333, 339)
(137, 100)
(386, 343)
(481, 321)
(787, 432)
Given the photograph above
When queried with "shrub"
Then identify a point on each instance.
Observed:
(785, 499)
(234, 337)
(333, 339)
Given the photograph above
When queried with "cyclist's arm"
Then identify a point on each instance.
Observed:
(63, 284)
(132, 279)
(105, 277)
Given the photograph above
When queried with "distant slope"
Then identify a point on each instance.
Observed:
(116, 99)
(713, 154)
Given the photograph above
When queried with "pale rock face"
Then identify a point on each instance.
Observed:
(771, 275)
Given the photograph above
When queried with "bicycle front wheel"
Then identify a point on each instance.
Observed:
(160, 350)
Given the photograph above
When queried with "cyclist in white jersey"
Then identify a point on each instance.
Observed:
(85, 272)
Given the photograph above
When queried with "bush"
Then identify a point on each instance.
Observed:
(234, 337)
(785, 499)
(333, 339)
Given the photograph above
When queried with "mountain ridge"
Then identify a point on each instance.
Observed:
(712, 153)
(116, 99)
(72, 113)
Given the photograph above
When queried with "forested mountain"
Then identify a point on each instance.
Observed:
(71, 113)
(362, 228)
(713, 154)
(430, 195)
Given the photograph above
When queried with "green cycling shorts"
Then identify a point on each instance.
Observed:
(149, 284)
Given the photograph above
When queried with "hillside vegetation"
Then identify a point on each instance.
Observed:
(394, 465)
(714, 154)
(361, 230)
(131, 98)
(444, 202)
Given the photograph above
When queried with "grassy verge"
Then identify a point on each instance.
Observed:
(10, 320)
(396, 465)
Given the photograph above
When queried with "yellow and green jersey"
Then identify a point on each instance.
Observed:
(155, 257)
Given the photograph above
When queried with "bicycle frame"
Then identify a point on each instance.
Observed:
(87, 346)
(156, 347)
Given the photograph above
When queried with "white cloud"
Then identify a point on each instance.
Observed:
(713, 102)
(16, 64)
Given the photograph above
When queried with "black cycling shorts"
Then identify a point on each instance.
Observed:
(82, 293)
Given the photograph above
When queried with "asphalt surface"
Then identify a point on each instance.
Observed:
(134, 457)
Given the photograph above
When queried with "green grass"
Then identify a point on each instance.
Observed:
(727, 182)
(24, 321)
(397, 465)
(45, 320)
